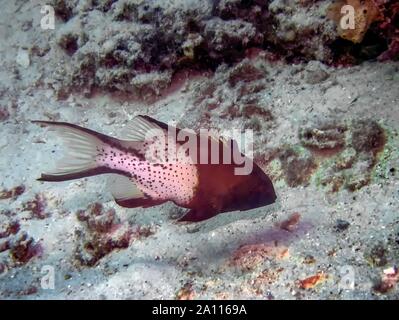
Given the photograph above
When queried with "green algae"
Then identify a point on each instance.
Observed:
(387, 156)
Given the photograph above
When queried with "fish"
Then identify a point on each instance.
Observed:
(150, 166)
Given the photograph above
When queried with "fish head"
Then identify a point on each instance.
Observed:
(251, 191)
(261, 191)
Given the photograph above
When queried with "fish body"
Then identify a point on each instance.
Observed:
(149, 168)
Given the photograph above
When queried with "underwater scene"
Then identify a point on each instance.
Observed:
(199, 149)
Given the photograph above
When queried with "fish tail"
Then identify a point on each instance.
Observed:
(83, 146)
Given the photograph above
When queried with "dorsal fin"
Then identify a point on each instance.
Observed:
(139, 128)
(155, 122)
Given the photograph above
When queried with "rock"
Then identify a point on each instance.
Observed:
(316, 76)
(245, 72)
(149, 37)
(309, 259)
(341, 225)
(23, 58)
(3, 269)
(188, 46)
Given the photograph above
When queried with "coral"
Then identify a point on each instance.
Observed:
(393, 51)
(36, 207)
(186, 292)
(8, 227)
(23, 248)
(20, 246)
(388, 28)
(147, 43)
(301, 32)
(354, 149)
(340, 155)
(242, 101)
(189, 46)
(93, 247)
(229, 36)
(96, 219)
(388, 280)
(64, 8)
(328, 136)
(297, 167)
(69, 42)
(368, 137)
(150, 86)
(12, 193)
(311, 282)
(103, 234)
(290, 223)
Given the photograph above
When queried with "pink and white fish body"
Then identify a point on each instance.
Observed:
(159, 181)
(149, 167)
(139, 179)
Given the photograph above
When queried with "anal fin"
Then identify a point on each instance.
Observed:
(127, 194)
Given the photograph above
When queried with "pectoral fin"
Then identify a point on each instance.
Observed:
(195, 215)
(139, 203)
